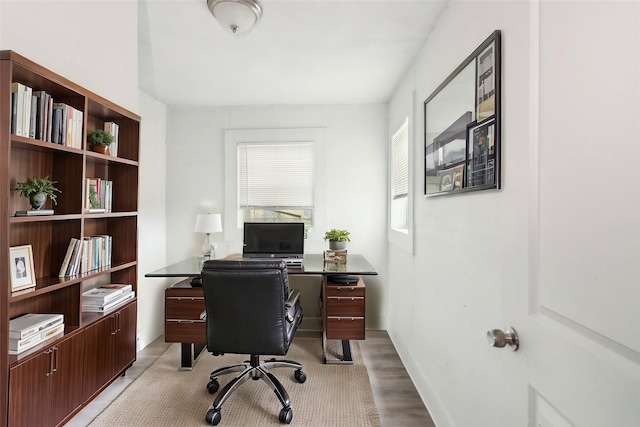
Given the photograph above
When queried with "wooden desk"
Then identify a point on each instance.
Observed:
(343, 310)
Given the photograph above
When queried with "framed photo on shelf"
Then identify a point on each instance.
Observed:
(21, 266)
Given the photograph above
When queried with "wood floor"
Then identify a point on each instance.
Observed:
(397, 400)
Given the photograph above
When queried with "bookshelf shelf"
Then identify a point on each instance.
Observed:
(49, 237)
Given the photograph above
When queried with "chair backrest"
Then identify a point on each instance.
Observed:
(245, 303)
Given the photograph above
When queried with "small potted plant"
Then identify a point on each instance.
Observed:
(37, 190)
(99, 140)
(337, 238)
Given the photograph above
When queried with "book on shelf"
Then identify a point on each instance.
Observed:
(14, 112)
(56, 126)
(17, 346)
(104, 294)
(113, 129)
(40, 212)
(33, 116)
(99, 195)
(32, 323)
(61, 122)
(41, 114)
(18, 89)
(67, 257)
(26, 122)
(96, 307)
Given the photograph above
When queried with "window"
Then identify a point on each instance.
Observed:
(275, 181)
(275, 175)
(400, 178)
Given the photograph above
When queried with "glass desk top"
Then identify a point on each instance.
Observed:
(312, 264)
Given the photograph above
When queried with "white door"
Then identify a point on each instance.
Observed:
(578, 317)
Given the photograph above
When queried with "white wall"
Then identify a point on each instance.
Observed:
(152, 199)
(356, 170)
(444, 297)
(78, 40)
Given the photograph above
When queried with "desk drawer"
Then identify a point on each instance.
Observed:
(345, 306)
(345, 291)
(345, 328)
(185, 331)
(184, 307)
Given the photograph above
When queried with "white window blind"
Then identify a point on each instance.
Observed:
(400, 162)
(275, 174)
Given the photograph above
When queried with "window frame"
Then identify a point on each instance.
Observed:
(402, 238)
(234, 218)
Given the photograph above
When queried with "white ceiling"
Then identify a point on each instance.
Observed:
(301, 52)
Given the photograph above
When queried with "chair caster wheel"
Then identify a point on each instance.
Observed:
(286, 415)
(213, 386)
(300, 376)
(213, 417)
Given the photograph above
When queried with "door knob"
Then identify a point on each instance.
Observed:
(499, 338)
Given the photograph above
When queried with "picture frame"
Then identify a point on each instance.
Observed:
(465, 105)
(21, 268)
(481, 154)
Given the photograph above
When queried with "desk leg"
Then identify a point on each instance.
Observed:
(346, 353)
(189, 354)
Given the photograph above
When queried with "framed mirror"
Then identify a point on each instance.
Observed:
(462, 125)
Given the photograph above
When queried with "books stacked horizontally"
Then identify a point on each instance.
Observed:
(32, 329)
(106, 297)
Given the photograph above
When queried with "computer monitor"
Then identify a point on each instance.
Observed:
(273, 239)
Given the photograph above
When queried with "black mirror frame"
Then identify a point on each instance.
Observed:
(467, 171)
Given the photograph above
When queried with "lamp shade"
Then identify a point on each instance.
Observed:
(236, 16)
(208, 223)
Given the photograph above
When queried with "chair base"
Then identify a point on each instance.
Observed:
(254, 369)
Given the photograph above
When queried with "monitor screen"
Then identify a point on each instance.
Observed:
(277, 238)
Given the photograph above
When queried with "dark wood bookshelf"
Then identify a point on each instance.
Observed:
(96, 348)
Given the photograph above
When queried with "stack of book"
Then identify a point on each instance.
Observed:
(32, 329)
(106, 297)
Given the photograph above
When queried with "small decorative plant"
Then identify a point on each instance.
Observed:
(335, 235)
(99, 140)
(337, 238)
(37, 190)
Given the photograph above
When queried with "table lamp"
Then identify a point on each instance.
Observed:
(208, 223)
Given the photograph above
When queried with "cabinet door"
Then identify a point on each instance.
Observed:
(99, 345)
(125, 350)
(66, 379)
(29, 392)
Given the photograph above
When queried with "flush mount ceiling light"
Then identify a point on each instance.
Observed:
(237, 16)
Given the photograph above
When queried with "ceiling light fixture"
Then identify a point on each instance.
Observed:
(237, 16)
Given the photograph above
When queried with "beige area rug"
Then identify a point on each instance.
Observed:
(164, 396)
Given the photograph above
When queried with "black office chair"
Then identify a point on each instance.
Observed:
(250, 310)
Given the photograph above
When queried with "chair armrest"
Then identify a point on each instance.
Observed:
(294, 296)
(291, 305)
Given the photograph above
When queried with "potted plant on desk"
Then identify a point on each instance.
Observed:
(337, 238)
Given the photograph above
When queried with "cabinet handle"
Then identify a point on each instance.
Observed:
(50, 370)
(54, 359)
